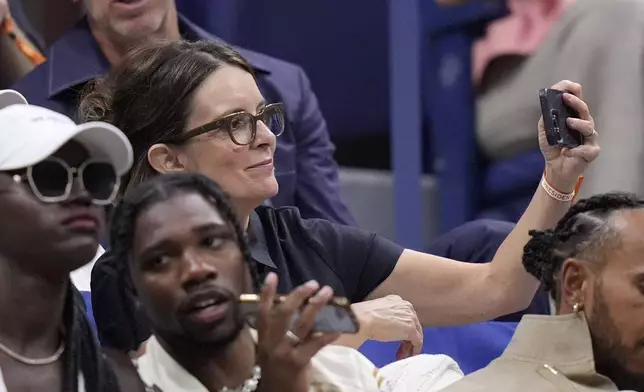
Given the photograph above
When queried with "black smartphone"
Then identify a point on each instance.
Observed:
(555, 113)
(335, 317)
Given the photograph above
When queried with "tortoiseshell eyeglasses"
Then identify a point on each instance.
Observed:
(241, 126)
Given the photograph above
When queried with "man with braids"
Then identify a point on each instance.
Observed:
(592, 263)
(55, 178)
(184, 251)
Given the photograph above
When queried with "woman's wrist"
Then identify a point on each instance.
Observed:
(356, 340)
(561, 184)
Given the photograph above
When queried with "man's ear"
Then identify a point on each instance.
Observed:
(574, 282)
(165, 159)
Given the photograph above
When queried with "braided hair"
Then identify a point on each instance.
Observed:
(82, 352)
(162, 188)
(586, 231)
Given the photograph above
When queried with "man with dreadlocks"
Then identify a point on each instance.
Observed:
(592, 263)
(55, 178)
(185, 253)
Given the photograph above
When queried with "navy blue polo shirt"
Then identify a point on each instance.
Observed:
(304, 166)
(353, 262)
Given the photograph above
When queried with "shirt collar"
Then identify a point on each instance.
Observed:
(257, 242)
(561, 342)
(76, 58)
(158, 369)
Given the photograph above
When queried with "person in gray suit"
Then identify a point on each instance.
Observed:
(592, 263)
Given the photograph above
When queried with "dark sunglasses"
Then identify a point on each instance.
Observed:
(52, 180)
(241, 126)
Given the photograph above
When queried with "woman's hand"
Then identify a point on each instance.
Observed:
(284, 352)
(564, 165)
(390, 319)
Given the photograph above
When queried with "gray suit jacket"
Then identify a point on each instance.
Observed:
(546, 354)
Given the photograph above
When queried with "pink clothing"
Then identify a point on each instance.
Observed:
(519, 33)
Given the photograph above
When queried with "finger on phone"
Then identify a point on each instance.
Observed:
(267, 293)
(306, 322)
(296, 298)
(571, 87)
(578, 105)
(586, 128)
(266, 298)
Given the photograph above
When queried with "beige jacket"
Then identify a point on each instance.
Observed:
(546, 354)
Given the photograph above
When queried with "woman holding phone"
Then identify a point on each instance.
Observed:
(195, 107)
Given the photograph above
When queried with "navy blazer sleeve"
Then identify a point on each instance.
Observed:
(317, 193)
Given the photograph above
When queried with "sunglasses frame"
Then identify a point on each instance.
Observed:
(72, 172)
(224, 122)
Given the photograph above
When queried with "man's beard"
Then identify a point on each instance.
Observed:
(185, 340)
(611, 356)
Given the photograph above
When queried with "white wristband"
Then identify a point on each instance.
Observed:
(555, 194)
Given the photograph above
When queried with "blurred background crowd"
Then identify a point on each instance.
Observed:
(430, 105)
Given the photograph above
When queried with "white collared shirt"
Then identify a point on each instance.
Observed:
(345, 368)
(82, 277)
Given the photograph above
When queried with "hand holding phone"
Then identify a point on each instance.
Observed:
(334, 317)
(555, 114)
(285, 348)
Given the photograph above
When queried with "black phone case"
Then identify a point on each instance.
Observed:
(335, 317)
(555, 112)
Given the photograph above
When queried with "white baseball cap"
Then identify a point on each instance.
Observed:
(11, 97)
(29, 134)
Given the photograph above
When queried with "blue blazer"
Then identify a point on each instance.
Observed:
(305, 168)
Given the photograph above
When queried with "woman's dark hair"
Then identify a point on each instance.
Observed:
(163, 188)
(584, 232)
(148, 95)
(82, 352)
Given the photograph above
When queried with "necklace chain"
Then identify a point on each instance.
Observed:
(250, 385)
(34, 361)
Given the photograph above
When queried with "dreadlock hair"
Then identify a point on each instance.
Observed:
(586, 231)
(160, 189)
(82, 352)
